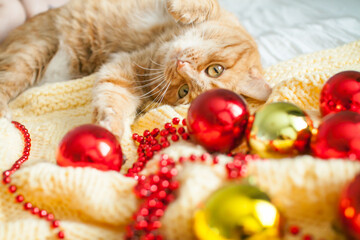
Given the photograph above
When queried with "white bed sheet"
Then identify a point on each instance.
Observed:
(285, 29)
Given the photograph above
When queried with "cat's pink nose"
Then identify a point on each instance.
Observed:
(180, 64)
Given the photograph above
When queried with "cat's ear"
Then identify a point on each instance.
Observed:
(255, 86)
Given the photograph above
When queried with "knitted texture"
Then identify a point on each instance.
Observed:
(98, 205)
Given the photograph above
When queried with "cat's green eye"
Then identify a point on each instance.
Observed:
(214, 70)
(183, 91)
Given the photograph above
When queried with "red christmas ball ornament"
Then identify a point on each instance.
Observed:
(349, 209)
(90, 146)
(338, 136)
(341, 92)
(217, 120)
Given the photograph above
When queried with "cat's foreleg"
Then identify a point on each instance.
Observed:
(23, 57)
(193, 11)
(115, 99)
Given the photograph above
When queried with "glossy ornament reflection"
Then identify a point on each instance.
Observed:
(217, 120)
(90, 146)
(338, 136)
(341, 92)
(238, 211)
(349, 209)
(279, 130)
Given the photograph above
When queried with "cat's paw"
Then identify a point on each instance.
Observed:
(191, 11)
(106, 118)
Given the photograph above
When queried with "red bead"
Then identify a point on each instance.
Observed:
(175, 138)
(146, 133)
(55, 224)
(176, 121)
(174, 185)
(140, 139)
(216, 160)
(159, 213)
(172, 130)
(27, 206)
(150, 139)
(155, 132)
(141, 225)
(173, 172)
(294, 230)
(43, 213)
(167, 126)
(90, 146)
(165, 184)
(182, 159)
(164, 133)
(192, 157)
(61, 235)
(181, 130)
(203, 157)
(165, 144)
(338, 136)
(307, 237)
(50, 217)
(12, 189)
(341, 92)
(6, 180)
(149, 154)
(217, 120)
(135, 136)
(184, 122)
(6, 173)
(185, 136)
(35, 210)
(19, 198)
(157, 147)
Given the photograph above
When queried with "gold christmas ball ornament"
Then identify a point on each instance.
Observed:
(279, 130)
(237, 212)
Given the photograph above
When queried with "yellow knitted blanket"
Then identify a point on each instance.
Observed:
(97, 205)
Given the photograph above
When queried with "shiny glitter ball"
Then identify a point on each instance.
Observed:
(341, 92)
(279, 130)
(238, 211)
(338, 136)
(349, 209)
(217, 120)
(90, 146)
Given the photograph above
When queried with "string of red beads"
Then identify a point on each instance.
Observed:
(153, 141)
(158, 190)
(19, 198)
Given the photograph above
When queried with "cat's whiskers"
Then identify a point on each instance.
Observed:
(148, 74)
(158, 64)
(151, 79)
(161, 95)
(159, 79)
(149, 69)
(150, 93)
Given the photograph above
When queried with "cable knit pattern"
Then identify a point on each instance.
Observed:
(98, 205)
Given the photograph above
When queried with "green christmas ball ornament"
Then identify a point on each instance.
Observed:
(238, 212)
(279, 130)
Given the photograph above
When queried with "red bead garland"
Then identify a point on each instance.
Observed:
(13, 189)
(157, 190)
(153, 141)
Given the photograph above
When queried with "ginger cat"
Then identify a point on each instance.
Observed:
(163, 51)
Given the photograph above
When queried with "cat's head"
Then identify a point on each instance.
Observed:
(211, 55)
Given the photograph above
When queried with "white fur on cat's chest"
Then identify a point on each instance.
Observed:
(58, 68)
